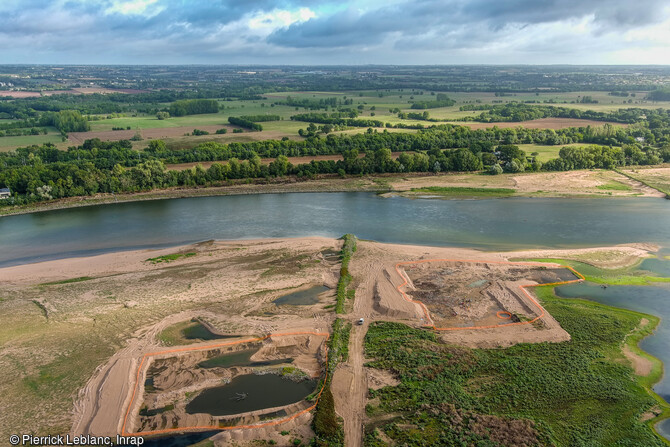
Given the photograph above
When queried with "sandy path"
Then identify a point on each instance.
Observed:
(354, 410)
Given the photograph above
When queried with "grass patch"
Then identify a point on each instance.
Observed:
(614, 186)
(170, 258)
(68, 281)
(464, 192)
(577, 393)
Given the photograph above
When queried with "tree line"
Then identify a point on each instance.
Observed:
(517, 112)
(43, 172)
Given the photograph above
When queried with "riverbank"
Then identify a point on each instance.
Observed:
(584, 183)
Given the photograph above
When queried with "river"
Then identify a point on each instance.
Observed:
(491, 224)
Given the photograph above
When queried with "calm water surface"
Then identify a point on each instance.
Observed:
(250, 393)
(494, 224)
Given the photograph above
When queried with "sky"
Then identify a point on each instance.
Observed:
(352, 32)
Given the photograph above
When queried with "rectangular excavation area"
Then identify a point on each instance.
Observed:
(469, 294)
(227, 386)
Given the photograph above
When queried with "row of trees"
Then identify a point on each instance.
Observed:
(193, 107)
(37, 174)
(242, 122)
(66, 121)
(517, 112)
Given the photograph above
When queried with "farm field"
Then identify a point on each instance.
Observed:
(11, 143)
(372, 104)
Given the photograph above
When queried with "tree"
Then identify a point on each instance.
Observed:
(464, 160)
(496, 169)
(280, 166)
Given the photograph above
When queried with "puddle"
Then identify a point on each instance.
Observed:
(478, 283)
(302, 297)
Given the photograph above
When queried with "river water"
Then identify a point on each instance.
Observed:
(490, 224)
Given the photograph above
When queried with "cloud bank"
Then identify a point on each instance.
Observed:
(323, 32)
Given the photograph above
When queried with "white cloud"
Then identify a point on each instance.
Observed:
(134, 7)
(266, 22)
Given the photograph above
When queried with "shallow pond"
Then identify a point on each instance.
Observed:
(250, 392)
(304, 297)
(199, 331)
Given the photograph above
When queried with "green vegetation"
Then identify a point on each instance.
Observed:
(460, 396)
(659, 188)
(170, 258)
(339, 344)
(343, 104)
(343, 293)
(260, 118)
(68, 281)
(193, 107)
(516, 112)
(614, 186)
(661, 94)
(441, 100)
(326, 425)
(243, 122)
(629, 276)
(44, 173)
(464, 192)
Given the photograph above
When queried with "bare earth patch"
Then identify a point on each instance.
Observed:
(641, 365)
(154, 133)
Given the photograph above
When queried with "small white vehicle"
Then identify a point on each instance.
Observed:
(361, 321)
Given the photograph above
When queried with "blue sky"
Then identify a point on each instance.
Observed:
(327, 32)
